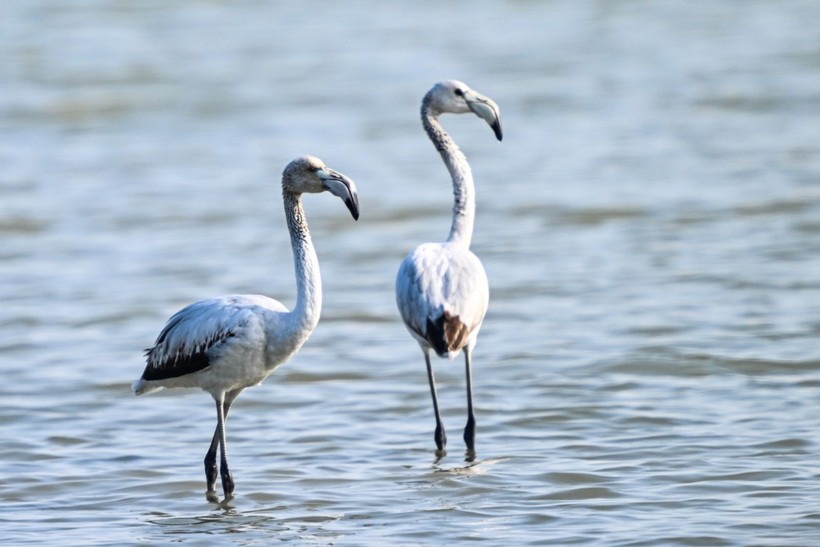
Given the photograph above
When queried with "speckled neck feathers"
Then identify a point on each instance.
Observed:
(308, 278)
(461, 230)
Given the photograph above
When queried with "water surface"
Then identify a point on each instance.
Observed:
(648, 371)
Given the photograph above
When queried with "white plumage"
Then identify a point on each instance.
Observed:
(441, 288)
(226, 344)
(437, 279)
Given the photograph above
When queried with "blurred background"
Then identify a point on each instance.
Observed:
(647, 373)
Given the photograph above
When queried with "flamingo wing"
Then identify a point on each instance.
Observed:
(187, 342)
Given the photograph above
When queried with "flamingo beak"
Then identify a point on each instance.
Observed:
(343, 187)
(487, 110)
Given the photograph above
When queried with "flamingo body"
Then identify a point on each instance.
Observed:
(442, 294)
(219, 344)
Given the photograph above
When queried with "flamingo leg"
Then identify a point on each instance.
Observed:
(469, 429)
(440, 435)
(222, 407)
(211, 470)
(227, 479)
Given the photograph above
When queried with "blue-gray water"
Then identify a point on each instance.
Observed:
(649, 368)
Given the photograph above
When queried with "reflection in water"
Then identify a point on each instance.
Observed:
(225, 521)
(472, 467)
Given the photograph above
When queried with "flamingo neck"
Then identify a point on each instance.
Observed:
(308, 278)
(461, 230)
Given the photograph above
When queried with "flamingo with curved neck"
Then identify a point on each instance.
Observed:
(441, 288)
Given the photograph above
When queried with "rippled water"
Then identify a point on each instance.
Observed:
(648, 372)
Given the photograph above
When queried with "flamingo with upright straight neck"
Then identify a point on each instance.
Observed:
(226, 344)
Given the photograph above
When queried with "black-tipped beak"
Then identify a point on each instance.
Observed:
(353, 206)
(496, 125)
(343, 187)
(487, 110)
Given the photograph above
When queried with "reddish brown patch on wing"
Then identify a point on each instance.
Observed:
(447, 333)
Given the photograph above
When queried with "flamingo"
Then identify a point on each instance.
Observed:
(228, 343)
(441, 288)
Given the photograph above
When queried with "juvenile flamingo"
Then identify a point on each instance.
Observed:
(441, 288)
(228, 343)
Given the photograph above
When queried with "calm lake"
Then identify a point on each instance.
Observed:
(648, 372)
